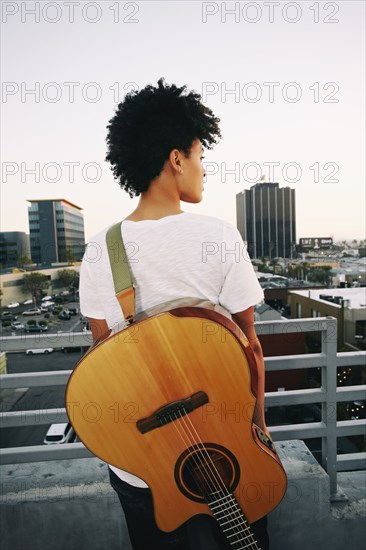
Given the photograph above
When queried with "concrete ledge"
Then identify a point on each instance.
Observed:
(70, 504)
(305, 519)
(299, 519)
(58, 505)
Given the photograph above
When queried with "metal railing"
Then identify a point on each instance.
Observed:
(328, 394)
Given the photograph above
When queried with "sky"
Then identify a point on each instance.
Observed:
(286, 79)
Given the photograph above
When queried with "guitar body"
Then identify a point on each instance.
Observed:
(170, 399)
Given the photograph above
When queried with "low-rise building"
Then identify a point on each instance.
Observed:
(347, 305)
(11, 283)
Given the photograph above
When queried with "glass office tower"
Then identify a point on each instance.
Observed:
(56, 230)
(266, 219)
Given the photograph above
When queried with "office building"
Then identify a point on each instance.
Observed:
(266, 219)
(13, 245)
(347, 305)
(56, 229)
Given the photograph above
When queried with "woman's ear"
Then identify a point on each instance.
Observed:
(175, 157)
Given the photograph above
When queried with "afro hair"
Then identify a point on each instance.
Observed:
(148, 124)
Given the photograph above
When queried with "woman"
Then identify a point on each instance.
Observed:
(155, 146)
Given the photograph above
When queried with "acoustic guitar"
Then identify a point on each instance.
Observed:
(170, 399)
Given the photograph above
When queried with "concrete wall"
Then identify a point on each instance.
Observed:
(11, 283)
(306, 519)
(22, 342)
(61, 505)
(69, 505)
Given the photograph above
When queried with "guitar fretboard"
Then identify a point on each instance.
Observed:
(232, 521)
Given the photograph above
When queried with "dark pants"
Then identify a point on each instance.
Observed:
(199, 533)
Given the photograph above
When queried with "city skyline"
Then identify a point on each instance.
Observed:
(291, 107)
(299, 237)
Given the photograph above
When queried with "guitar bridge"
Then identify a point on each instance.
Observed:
(172, 411)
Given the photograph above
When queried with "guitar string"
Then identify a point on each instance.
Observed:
(236, 515)
(187, 444)
(197, 465)
(239, 512)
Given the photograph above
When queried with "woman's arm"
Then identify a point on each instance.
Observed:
(245, 321)
(99, 329)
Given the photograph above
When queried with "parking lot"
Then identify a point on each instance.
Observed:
(75, 323)
(37, 398)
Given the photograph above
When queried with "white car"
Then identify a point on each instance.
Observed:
(27, 302)
(13, 304)
(46, 306)
(46, 298)
(59, 433)
(17, 325)
(32, 311)
(38, 350)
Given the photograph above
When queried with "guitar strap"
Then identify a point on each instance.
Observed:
(123, 285)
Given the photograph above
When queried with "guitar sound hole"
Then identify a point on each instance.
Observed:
(203, 470)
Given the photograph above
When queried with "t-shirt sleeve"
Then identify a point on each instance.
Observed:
(240, 289)
(90, 303)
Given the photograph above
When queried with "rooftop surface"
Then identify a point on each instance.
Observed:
(356, 296)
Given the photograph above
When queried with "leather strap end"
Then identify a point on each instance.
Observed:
(126, 299)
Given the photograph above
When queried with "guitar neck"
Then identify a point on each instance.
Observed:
(232, 520)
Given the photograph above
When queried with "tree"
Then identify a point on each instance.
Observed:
(304, 270)
(23, 260)
(69, 278)
(33, 283)
(70, 256)
(275, 265)
(320, 275)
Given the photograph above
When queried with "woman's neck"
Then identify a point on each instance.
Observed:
(157, 202)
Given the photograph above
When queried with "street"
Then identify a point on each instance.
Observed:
(36, 398)
(48, 397)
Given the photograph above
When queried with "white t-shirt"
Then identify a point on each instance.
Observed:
(180, 256)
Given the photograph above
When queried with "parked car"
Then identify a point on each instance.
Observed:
(46, 298)
(32, 311)
(27, 302)
(59, 433)
(17, 325)
(73, 310)
(34, 351)
(8, 316)
(64, 316)
(46, 306)
(35, 328)
(13, 304)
